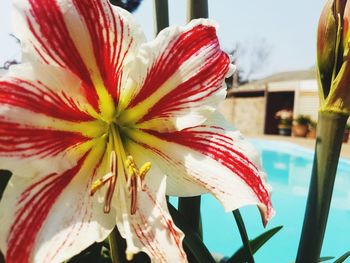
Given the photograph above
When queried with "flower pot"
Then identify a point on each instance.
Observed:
(311, 133)
(300, 130)
(284, 130)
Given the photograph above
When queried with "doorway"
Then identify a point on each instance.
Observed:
(276, 101)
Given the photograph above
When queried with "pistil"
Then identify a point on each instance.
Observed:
(134, 177)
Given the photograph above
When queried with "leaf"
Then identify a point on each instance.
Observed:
(190, 209)
(195, 247)
(90, 254)
(322, 259)
(4, 178)
(255, 245)
(343, 257)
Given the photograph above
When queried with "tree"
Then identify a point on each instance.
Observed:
(249, 58)
(11, 62)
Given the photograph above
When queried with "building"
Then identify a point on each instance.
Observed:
(252, 107)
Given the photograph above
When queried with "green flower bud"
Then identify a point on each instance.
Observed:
(326, 45)
(333, 38)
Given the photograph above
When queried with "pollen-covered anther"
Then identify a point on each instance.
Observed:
(135, 180)
(143, 171)
(99, 183)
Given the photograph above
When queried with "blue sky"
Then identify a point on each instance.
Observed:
(288, 29)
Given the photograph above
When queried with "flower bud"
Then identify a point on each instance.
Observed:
(326, 45)
(333, 38)
(346, 32)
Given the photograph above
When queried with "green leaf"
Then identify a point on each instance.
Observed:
(343, 257)
(322, 259)
(255, 245)
(190, 210)
(90, 254)
(4, 178)
(192, 242)
(244, 236)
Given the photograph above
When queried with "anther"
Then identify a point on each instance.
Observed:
(99, 183)
(135, 181)
(143, 171)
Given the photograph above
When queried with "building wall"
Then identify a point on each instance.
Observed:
(247, 114)
(307, 104)
(226, 109)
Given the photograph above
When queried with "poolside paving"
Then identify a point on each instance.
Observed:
(305, 142)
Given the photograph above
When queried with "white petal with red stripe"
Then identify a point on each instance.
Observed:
(221, 162)
(89, 38)
(53, 217)
(42, 117)
(177, 79)
(151, 228)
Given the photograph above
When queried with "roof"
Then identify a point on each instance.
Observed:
(261, 84)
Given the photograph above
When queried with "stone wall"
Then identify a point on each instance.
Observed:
(247, 114)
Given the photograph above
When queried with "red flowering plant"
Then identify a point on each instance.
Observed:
(97, 126)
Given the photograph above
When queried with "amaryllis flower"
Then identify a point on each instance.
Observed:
(97, 126)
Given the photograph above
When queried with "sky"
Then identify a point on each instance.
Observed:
(285, 30)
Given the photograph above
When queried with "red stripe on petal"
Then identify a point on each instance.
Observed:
(47, 24)
(110, 46)
(85, 208)
(25, 141)
(179, 51)
(207, 81)
(37, 97)
(167, 222)
(33, 208)
(221, 148)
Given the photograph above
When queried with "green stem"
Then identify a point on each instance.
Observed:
(330, 131)
(162, 14)
(189, 208)
(113, 246)
(244, 236)
(197, 9)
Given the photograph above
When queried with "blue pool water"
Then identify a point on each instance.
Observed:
(288, 171)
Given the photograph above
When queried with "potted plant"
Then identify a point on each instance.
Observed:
(301, 125)
(346, 133)
(312, 129)
(285, 121)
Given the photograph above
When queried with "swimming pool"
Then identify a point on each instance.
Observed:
(289, 171)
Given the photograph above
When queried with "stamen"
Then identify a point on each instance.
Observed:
(99, 183)
(112, 182)
(143, 171)
(133, 191)
(135, 180)
(109, 178)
